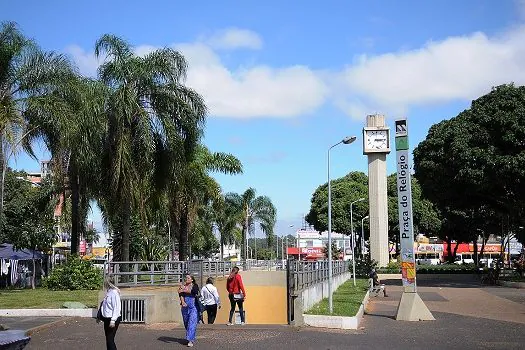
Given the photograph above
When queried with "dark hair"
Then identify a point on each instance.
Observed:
(236, 268)
(209, 280)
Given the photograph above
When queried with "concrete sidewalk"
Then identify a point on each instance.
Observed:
(467, 317)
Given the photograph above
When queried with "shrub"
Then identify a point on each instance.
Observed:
(73, 275)
(363, 266)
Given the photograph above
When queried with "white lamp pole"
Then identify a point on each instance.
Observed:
(353, 236)
(363, 235)
(347, 140)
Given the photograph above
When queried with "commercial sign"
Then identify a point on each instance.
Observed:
(429, 248)
(308, 252)
(404, 201)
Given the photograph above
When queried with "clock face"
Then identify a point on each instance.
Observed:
(376, 139)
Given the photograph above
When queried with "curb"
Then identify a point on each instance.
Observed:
(509, 284)
(88, 313)
(33, 330)
(338, 322)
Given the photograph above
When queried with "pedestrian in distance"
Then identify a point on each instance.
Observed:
(109, 313)
(188, 297)
(236, 294)
(210, 300)
(377, 286)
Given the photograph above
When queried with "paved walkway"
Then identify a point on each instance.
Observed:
(467, 317)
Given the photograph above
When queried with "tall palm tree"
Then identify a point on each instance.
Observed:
(148, 107)
(226, 219)
(70, 121)
(25, 72)
(192, 187)
(254, 210)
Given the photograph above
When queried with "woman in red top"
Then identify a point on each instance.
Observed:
(236, 293)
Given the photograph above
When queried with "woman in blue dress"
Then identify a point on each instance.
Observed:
(188, 293)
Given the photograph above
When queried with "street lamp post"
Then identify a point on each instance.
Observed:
(363, 235)
(353, 236)
(347, 140)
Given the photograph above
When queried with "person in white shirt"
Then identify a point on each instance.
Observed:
(210, 300)
(110, 312)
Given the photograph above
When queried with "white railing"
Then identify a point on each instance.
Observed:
(305, 273)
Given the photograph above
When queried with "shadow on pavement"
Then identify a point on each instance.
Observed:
(173, 340)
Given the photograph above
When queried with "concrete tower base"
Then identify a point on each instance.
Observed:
(412, 308)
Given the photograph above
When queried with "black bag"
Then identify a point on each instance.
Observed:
(99, 313)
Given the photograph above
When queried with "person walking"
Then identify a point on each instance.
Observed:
(236, 294)
(110, 313)
(211, 300)
(188, 294)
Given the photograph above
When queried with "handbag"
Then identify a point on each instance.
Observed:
(99, 313)
(238, 296)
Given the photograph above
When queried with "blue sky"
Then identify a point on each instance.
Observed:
(284, 80)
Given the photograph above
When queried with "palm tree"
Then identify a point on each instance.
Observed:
(254, 210)
(25, 72)
(192, 187)
(70, 121)
(148, 108)
(226, 219)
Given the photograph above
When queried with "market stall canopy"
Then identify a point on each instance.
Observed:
(7, 251)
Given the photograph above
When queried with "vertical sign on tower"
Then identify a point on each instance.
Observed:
(404, 201)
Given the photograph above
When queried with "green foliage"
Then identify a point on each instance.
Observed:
(472, 167)
(75, 274)
(336, 252)
(354, 186)
(363, 266)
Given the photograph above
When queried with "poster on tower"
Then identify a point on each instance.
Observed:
(404, 201)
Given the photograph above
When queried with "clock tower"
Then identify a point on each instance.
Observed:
(376, 145)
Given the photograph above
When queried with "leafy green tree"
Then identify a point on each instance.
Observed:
(344, 191)
(29, 215)
(227, 218)
(149, 112)
(193, 188)
(474, 164)
(252, 210)
(336, 252)
(26, 73)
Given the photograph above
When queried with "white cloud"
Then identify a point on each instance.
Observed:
(86, 61)
(457, 68)
(242, 92)
(234, 38)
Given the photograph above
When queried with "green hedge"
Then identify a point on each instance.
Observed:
(75, 274)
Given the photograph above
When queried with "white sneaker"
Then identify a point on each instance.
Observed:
(242, 323)
(229, 324)
(190, 344)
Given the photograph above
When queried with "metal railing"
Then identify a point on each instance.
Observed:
(303, 274)
(166, 273)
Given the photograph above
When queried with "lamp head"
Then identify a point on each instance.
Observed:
(360, 199)
(366, 217)
(349, 139)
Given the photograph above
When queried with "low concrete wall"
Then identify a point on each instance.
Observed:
(49, 312)
(340, 322)
(314, 294)
(308, 297)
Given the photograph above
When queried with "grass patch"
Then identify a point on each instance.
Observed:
(44, 298)
(346, 300)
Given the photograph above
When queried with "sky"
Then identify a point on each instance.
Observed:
(285, 80)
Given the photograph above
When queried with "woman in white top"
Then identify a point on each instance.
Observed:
(210, 300)
(110, 310)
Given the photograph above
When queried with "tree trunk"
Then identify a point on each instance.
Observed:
(2, 183)
(75, 209)
(450, 258)
(183, 240)
(126, 230)
(33, 276)
(222, 248)
(476, 257)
